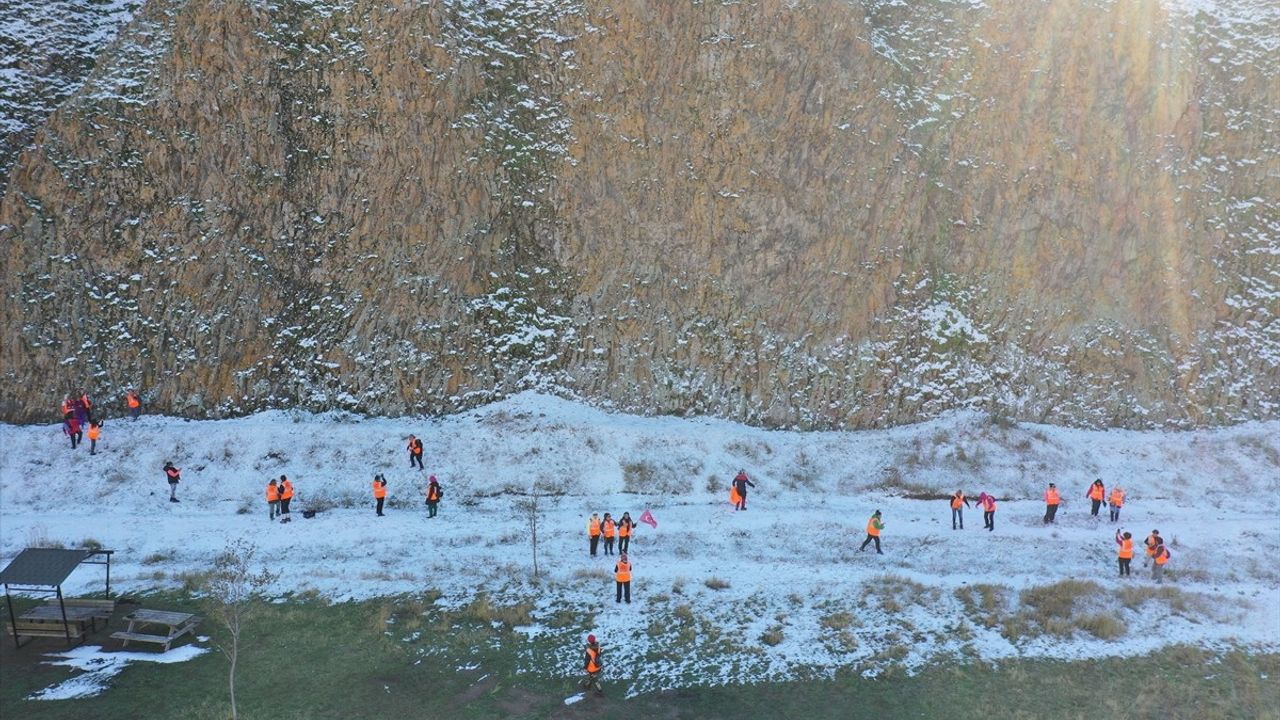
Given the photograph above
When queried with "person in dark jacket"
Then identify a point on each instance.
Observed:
(740, 483)
(174, 476)
(434, 493)
(415, 452)
(626, 528)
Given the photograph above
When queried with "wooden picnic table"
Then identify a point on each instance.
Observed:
(46, 621)
(178, 624)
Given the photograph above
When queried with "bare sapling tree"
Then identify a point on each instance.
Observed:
(531, 507)
(231, 593)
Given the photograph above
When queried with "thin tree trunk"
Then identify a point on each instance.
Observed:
(235, 650)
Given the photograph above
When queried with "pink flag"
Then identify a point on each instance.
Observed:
(647, 517)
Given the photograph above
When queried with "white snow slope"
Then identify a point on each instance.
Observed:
(800, 602)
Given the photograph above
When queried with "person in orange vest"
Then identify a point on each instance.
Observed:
(958, 503)
(379, 491)
(286, 494)
(1051, 500)
(609, 529)
(66, 405)
(273, 499)
(593, 532)
(95, 432)
(988, 505)
(625, 528)
(134, 402)
(174, 475)
(71, 426)
(1125, 551)
(434, 493)
(1153, 540)
(415, 452)
(622, 577)
(874, 526)
(593, 666)
(1160, 558)
(740, 483)
(1097, 494)
(1117, 501)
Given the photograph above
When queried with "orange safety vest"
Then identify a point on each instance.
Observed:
(433, 493)
(84, 399)
(415, 446)
(1126, 548)
(379, 490)
(957, 501)
(593, 657)
(133, 400)
(624, 528)
(273, 492)
(286, 490)
(1051, 496)
(95, 431)
(1151, 543)
(1096, 492)
(172, 473)
(989, 504)
(1117, 497)
(873, 526)
(66, 407)
(608, 528)
(622, 571)
(593, 527)
(1163, 556)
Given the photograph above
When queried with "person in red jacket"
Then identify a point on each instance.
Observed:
(174, 476)
(740, 483)
(1096, 494)
(71, 426)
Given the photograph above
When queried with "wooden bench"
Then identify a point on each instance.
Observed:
(28, 628)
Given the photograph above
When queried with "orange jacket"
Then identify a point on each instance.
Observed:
(286, 490)
(273, 492)
(1117, 497)
(622, 571)
(874, 526)
(957, 501)
(1096, 492)
(132, 400)
(379, 489)
(1051, 496)
(1151, 542)
(609, 527)
(1126, 548)
(989, 505)
(95, 432)
(593, 526)
(1162, 556)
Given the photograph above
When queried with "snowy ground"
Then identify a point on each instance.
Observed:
(800, 602)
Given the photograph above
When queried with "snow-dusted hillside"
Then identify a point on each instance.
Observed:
(799, 601)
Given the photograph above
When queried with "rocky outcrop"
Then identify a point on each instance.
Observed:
(815, 215)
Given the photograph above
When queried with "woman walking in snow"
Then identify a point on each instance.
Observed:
(173, 474)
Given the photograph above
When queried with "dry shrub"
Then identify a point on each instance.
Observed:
(1059, 599)
(592, 573)
(481, 610)
(837, 621)
(684, 612)
(643, 477)
(717, 584)
(772, 636)
(1102, 626)
(1178, 601)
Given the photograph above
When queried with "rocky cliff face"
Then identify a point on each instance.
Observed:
(812, 214)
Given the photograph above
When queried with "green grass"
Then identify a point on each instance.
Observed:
(313, 659)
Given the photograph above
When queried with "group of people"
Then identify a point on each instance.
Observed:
(278, 498)
(609, 529)
(78, 421)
